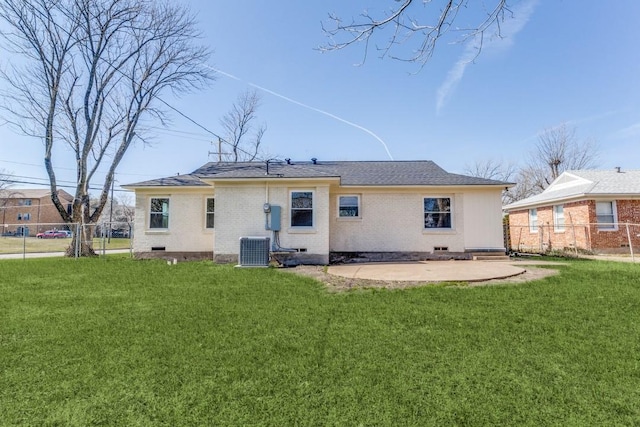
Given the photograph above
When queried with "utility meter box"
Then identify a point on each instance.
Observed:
(275, 217)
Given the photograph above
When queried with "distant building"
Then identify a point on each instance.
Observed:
(30, 211)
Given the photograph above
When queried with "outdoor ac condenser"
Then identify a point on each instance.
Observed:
(254, 252)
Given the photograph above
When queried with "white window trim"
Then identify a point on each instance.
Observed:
(206, 212)
(303, 228)
(533, 228)
(556, 227)
(452, 207)
(158, 230)
(614, 207)
(349, 218)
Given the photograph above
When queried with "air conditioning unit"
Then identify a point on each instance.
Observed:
(254, 252)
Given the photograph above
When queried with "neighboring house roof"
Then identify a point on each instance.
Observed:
(31, 193)
(350, 173)
(582, 184)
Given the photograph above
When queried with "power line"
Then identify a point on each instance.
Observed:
(190, 119)
(70, 169)
(13, 181)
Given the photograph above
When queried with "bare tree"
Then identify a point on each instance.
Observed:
(556, 151)
(451, 20)
(242, 135)
(126, 208)
(88, 74)
(6, 194)
(5, 180)
(493, 169)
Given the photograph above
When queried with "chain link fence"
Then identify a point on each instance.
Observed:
(57, 239)
(589, 238)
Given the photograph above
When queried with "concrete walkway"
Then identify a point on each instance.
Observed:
(430, 271)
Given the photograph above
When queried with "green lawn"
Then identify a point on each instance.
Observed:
(113, 341)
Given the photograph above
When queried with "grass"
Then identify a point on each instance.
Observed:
(16, 245)
(114, 341)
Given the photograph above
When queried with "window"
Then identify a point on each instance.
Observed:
(159, 215)
(437, 212)
(302, 209)
(210, 212)
(558, 218)
(349, 206)
(24, 202)
(24, 216)
(605, 215)
(533, 220)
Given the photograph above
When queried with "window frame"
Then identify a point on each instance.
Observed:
(207, 213)
(166, 214)
(312, 209)
(614, 216)
(450, 213)
(558, 226)
(532, 216)
(358, 207)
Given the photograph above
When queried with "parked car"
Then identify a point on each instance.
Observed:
(119, 233)
(52, 234)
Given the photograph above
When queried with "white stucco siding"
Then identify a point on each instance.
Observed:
(393, 220)
(187, 230)
(483, 219)
(239, 210)
(314, 239)
(239, 214)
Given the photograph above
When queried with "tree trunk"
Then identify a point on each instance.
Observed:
(82, 242)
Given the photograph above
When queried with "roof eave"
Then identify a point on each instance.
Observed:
(545, 202)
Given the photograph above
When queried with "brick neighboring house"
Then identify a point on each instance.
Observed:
(30, 211)
(584, 209)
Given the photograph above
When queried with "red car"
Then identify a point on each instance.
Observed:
(52, 234)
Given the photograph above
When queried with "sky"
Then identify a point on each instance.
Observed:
(558, 61)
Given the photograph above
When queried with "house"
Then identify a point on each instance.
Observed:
(30, 211)
(319, 211)
(594, 210)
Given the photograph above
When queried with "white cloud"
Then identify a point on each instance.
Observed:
(508, 30)
(630, 132)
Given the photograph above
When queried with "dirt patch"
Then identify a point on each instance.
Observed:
(337, 283)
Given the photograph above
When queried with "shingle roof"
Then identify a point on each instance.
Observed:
(585, 183)
(360, 173)
(189, 180)
(611, 181)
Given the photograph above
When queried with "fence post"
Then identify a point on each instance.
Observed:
(78, 237)
(630, 242)
(24, 244)
(104, 241)
(131, 231)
